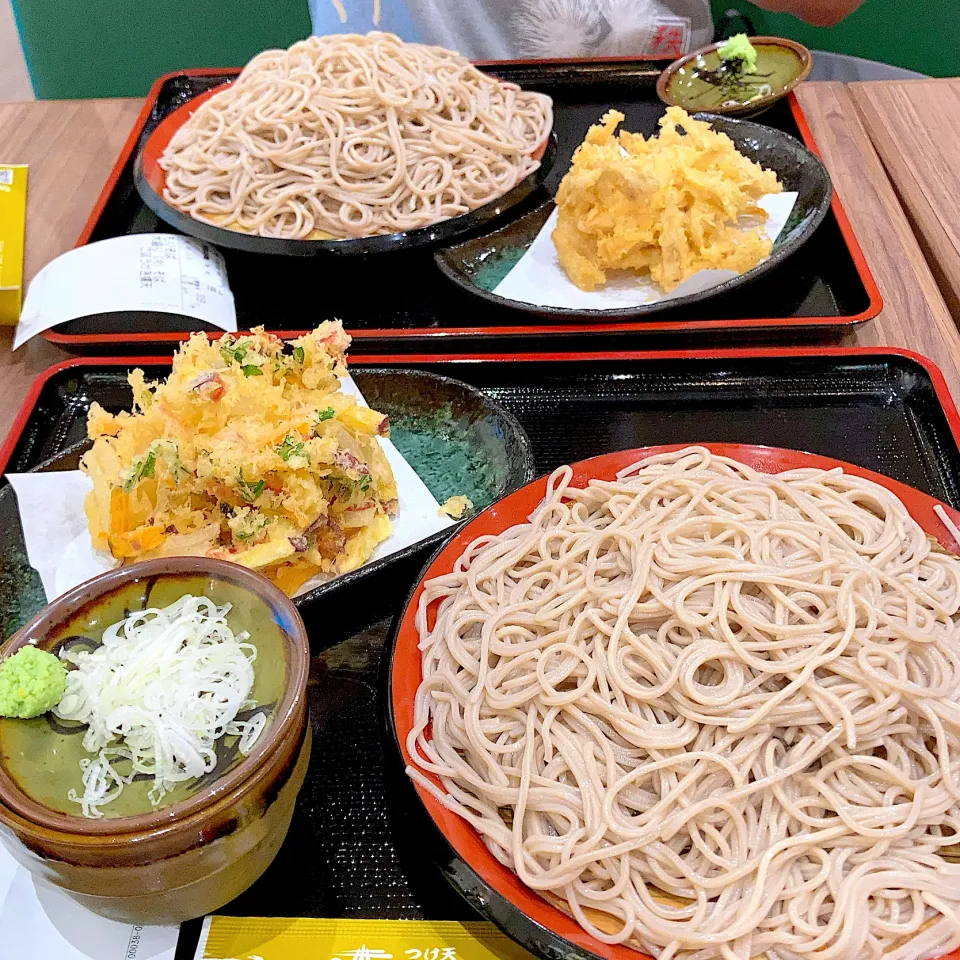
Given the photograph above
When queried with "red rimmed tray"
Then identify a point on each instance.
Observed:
(399, 300)
(354, 849)
(500, 895)
(871, 379)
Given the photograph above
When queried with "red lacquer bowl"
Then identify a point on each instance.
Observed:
(489, 886)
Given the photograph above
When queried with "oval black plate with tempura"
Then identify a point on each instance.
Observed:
(479, 264)
(457, 439)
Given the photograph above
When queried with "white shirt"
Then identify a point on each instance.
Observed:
(510, 29)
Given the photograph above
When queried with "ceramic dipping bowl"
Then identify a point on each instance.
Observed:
(699, 81)
(211, 837)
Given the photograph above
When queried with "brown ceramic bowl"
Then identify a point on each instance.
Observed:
(216, 835)
(781, 65)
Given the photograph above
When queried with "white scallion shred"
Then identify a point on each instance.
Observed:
(164, 685)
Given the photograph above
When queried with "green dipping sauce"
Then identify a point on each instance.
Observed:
(707, 83)
(43, 755)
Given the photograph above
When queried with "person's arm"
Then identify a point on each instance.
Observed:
(819, 13)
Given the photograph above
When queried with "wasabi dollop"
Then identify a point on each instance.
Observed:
(740, 48)
(32, 682)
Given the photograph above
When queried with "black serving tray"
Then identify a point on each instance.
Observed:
(358, 847)
(398, 300)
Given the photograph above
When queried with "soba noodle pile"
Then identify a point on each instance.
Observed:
(741, 690)
(353, 136)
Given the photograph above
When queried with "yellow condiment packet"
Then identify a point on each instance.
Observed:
(13, 217)
(302, 938)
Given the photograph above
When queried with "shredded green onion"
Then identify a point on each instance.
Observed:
(156, 695)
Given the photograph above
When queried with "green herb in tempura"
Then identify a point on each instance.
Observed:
(290, 448)
(143, 469)
(247, 524)
(239, 353)
(234, 353)
(250, 491)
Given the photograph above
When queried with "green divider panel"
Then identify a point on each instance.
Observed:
(117, 48)
(921, 35)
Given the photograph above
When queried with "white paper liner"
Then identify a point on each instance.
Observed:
(538, 278)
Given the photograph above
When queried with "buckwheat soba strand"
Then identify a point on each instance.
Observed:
(352, 136)
(710, 712)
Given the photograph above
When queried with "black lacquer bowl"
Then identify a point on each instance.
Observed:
(540, 921)
(150, 180)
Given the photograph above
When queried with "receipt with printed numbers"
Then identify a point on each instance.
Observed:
(158, 272)
(38, 922)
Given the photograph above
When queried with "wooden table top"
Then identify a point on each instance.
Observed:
(71, 147)
(915, 128)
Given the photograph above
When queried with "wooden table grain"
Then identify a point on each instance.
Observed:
(915, 315)
(71, 146)
(915, 129)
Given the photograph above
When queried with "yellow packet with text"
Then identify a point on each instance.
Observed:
(301, 938)
(13, 218)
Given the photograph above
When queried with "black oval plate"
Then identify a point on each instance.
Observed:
(479, 264)
(437, 233)
(458, 440)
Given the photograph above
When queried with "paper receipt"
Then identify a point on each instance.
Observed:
(41, 921)
(166, 273)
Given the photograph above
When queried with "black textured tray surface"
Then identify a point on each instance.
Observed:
(353, 849)
(879, 411)
(291, 293)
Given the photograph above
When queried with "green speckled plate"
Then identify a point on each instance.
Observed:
(458, 440)
(21, 592)
(478, 265)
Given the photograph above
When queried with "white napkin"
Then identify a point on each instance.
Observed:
(37, 920)
(58, 540)
(161, 272)
(538, 277)
(55, 529)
